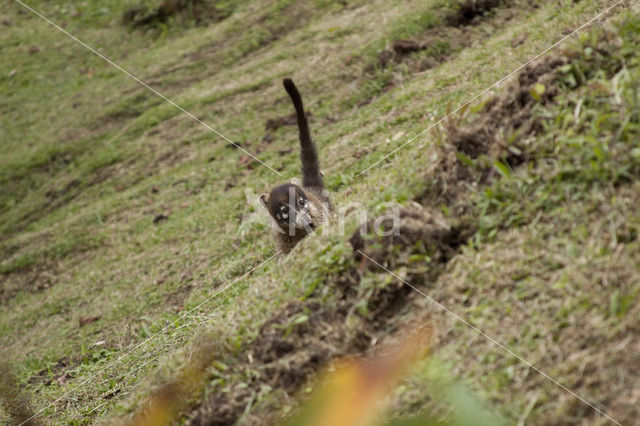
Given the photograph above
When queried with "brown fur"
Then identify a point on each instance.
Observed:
(319, 212)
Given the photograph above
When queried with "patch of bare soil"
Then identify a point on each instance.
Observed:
(127, 107)
(114, 120)
(34, 279)
(13, 400)
(469, 10)
(171, 156)
(18, 182)
(197, 10)
(275, 123)
(439, 42)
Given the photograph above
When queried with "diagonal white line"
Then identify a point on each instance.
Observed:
(151, 89)
(497, 83)
(148, 339)
(492, 340)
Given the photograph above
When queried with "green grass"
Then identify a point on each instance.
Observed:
(90, 157)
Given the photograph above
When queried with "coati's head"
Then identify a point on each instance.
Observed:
(290, 208)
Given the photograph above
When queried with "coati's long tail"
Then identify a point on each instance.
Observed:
(308, 154)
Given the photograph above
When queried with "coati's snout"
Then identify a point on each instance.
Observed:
(303, 220)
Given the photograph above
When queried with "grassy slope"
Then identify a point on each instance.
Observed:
(86, 146)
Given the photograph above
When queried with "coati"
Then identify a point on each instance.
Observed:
(298, 208)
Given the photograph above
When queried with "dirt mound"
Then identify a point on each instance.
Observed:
(404, 47)
(411, 225)
(502, 131)
(468, 10)
(512, 113)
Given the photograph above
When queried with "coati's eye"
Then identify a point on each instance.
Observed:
(302, 202)
(283, 213)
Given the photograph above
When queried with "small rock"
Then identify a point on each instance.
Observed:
(519, 40)
(403, 47)
(397, 136)
(285, 120)
(87, 320)
(63, 379)
(160, 218)
(42, 286)
(34, 49)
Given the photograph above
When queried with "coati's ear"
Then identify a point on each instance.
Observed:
(296, 181)
(264, 200)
